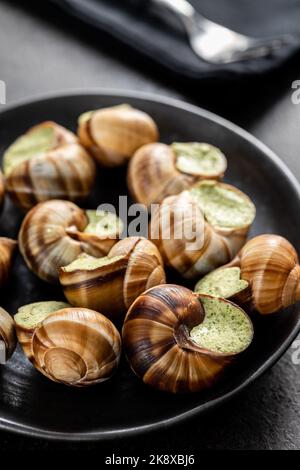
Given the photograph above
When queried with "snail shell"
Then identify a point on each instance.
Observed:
(271, 266)
(159, 339)
(110, 285)
(158, 170)
(2, 191)
(53, 234)
(75, 346)
(7, 333)
(112, 135)
(7, 248)
(191, 239)
(47, 163)
(28, 317)
(264, 276)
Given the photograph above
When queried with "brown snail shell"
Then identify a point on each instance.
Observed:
(7, 248)
(216, 245)
(112, 135)
(53, 235)
(2, 191)
(154, 172)
(271, 266)
(75, 346)
(7, 333)
(158, 342)
(268, 275)
(60, 169)
(111, 284)
(29, 317)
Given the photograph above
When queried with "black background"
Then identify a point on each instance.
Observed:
(41, 51)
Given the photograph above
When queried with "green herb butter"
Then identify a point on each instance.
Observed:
(222, 206)
(31, 315)
(223, 282)
(102, 223)
(196, 158)
(33, 144)
(89, 263)
(225, 329)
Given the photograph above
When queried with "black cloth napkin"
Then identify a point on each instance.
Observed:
(145, 28)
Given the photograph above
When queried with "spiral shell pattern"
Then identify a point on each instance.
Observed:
(50, 238)
(76, 347)
(153, 175)
(157, 343)
(64, 170)
(209, 246)
(136, 266)
(112, 135)
(64, 173)
(271, 265)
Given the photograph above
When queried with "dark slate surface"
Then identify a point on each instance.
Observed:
(41, 53)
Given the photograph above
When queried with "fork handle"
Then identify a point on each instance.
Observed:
(182, 7)
(186, 13)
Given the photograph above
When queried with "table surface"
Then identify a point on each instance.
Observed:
(42, 51)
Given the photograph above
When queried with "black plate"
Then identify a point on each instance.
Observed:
(31, 404)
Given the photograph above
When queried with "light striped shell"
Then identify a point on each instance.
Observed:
(271, 265)
(7, 248)
(113, 287)
(153, 175)
(112, 135)
(76, 347)
(157, 342)
(52, 236)
(210, 246)
(65, 171)
(7, 333)
(2, 191)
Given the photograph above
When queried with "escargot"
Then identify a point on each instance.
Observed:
(179, 341)
(2, 191)
(265, 275)
(54, 233)
(112, 135)
(7, 248)
(47, 163)
(110, 284)
(73, 346)
(7, 336)
(158, 170)
(202, 228)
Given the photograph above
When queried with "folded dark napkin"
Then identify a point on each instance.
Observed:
(145, 28)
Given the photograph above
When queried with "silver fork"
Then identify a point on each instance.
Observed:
(218, 44)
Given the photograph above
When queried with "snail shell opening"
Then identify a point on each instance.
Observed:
(163, 347)
(54, 233)
(202, 228)
(45, 163)
(159, 170)
(110, 284)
